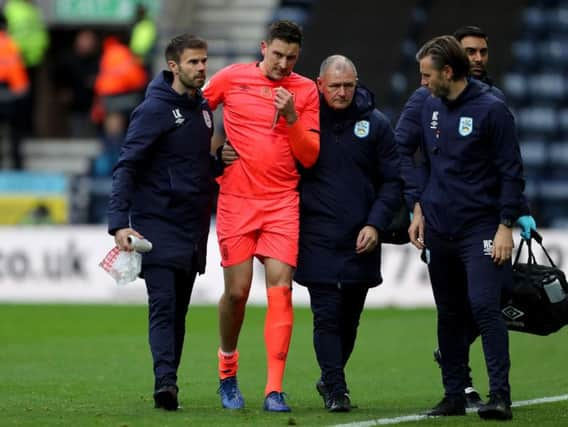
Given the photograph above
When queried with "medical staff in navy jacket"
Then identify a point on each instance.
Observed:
(408, 131)
(346, 199)
(463, 216)
(162, 190)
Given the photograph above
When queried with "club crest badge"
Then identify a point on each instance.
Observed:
(207, 119)
(361, 129)
(466, 126)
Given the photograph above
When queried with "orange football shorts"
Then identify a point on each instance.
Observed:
(267, 228)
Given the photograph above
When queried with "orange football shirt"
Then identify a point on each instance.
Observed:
(266, 166)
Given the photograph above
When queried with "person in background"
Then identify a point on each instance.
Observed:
(14, 88)
(28, 30)
(272, 120)
(475, 43)
(465, 224)
(346, 200)
(75, 74)
(143, 36)
(408, 131)
(40, 214)
(162, 188)
(119, 87)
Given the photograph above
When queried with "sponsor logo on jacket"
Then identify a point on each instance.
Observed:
(434, 122)
(179, 119)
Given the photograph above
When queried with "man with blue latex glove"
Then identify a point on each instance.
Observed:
(527, 223)
(469, 239)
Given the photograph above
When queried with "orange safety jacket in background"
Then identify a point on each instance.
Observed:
(120, 70)
(12, 69)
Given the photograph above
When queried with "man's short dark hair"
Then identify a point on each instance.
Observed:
(284, 30)
(446, 50)
(470, 31)
(178, 44)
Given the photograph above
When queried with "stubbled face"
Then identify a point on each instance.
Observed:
(337, 85)
(437, 81)
(279, 58)
(478, 54)
(191, 71)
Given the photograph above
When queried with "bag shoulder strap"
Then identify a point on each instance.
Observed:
(536, 236)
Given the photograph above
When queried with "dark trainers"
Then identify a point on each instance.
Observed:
(274, 402)
(324, 392)
(472, 398)
(166, 398)
(496, 408)
(448, 406)
(339, 403)
(231, 397)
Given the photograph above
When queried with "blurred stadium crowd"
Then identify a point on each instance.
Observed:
(85, 64)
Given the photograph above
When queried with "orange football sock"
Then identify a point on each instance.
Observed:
(277, 334)
(228, 364)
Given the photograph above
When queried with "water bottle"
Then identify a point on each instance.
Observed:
(553, 289)
(140, 245)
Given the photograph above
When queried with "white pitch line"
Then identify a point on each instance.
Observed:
(408, 418)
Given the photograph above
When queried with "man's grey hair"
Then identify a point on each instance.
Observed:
(338, 62)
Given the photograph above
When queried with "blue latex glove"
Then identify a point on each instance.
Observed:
(527, 223)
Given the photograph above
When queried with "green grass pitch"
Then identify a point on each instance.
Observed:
(69, 365)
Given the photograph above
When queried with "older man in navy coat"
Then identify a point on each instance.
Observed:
(346, 200)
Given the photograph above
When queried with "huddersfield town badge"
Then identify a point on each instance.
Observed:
(361, 129)
(466, 126)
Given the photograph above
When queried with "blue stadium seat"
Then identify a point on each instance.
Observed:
(559, 155)
(399, 84)
(525, 52)
(563, 121)
(553, 53)
(296, 14)
(534, 19)
(534, 153)
(515, 87)
(99, 194)
(541, 119)
(555, 190)
(531, 187)
(558, 20)
(559, 222)
(408, 49)
(547, 86)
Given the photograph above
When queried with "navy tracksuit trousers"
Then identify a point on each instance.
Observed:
(169, 293)
(336, 311)
(466, 282)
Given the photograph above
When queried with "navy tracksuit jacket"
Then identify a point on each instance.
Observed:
(162, 186)
(408, 132)
(355, 182)
(473, 179)
(163, 181)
